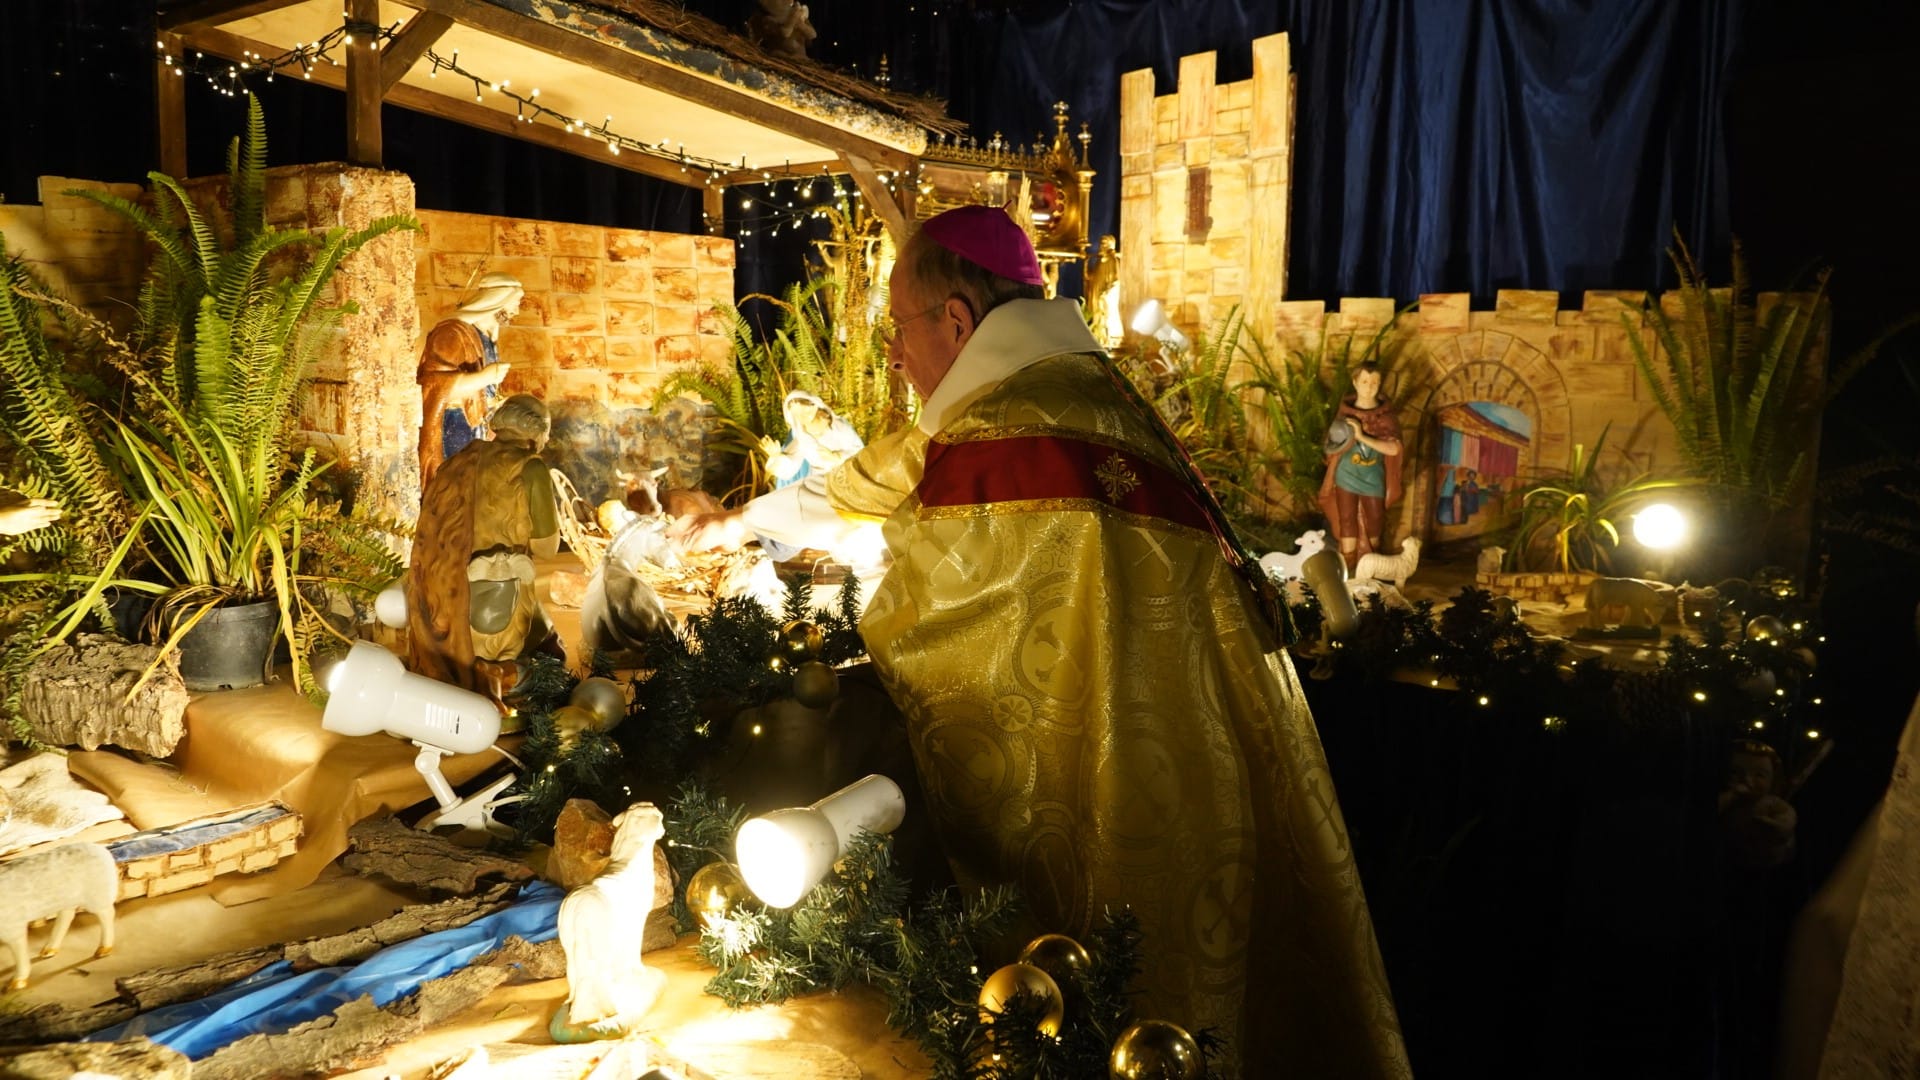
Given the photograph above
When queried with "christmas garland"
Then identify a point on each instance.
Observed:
(736, 656)
(856, 927)
(1749, 676)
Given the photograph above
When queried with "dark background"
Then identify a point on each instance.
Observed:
(1441, 146)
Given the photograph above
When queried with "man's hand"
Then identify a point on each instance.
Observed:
(28, 516)
(704, 532)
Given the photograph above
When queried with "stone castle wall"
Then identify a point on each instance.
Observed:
(83, 250)
(1204, 182)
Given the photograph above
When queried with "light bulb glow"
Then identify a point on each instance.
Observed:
(1660, 527)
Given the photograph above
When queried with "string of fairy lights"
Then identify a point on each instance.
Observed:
(786, 201)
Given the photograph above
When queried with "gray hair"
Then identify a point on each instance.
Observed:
(521, 418)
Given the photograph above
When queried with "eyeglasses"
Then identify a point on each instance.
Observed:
(893, 331)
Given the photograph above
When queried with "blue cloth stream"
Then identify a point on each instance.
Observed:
(276, 998)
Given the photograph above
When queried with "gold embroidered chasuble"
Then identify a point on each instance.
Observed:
(1094, 717)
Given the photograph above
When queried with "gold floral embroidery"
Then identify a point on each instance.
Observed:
(1115, 477)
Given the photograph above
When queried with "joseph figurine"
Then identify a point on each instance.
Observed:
(472, 612)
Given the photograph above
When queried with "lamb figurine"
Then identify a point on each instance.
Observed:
(1394, 568)
(1281, 566)
(55, 885)
(602, 924)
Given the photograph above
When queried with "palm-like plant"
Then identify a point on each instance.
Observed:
(1729, 379)
(1567, 522)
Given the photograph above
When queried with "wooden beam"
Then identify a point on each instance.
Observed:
(620, 63)
(472, 114)
(213, 12)
(713, 207)
(879, 199)
(364, 87)
(813, 169)
(170, 105)
(409, 45)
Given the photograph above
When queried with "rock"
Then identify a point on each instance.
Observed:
(582, 838)
(566, 588)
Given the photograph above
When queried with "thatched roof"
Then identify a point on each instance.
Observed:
(928, 112)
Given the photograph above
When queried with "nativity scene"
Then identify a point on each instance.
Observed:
(754, 570)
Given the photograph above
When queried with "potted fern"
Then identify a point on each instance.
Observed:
(228, 523)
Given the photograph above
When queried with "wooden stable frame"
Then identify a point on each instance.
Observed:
(710, 94)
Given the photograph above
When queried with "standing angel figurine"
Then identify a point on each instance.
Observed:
(602, 925)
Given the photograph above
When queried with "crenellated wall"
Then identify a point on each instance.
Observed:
(1204, 182)
(1570, 373)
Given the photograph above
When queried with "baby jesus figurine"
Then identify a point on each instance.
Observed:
(602, 925)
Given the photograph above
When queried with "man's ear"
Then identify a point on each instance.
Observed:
(959, 314)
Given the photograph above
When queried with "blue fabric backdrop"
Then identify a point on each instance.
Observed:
(1441, 145)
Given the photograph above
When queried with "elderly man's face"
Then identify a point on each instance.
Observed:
(928, 332)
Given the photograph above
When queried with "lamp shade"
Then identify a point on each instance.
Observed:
(371, 692)
(1325, 572)
(784, 854)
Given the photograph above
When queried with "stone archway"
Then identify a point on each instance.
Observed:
(1503, 376)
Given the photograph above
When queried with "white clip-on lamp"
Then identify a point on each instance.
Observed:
(1151, 319)
(784, 854)
(370, 692)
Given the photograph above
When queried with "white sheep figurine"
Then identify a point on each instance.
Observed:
(602, 924)
(54, 885)
(1395, 568)
(1281, 566)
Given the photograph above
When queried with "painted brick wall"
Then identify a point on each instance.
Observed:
(83, 250)
(608, 312)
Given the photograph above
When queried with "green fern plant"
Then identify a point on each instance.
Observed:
(218, 507)
(824, 341)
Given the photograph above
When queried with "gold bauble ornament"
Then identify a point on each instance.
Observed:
(604, 699)
(570, 722)
(1758, 683)
(715, 890)
(1766, 628)
(815, 685)
(1155, 1050)
(1806, 658)
(801, 641)
(1061, 957)
(1023, 980)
